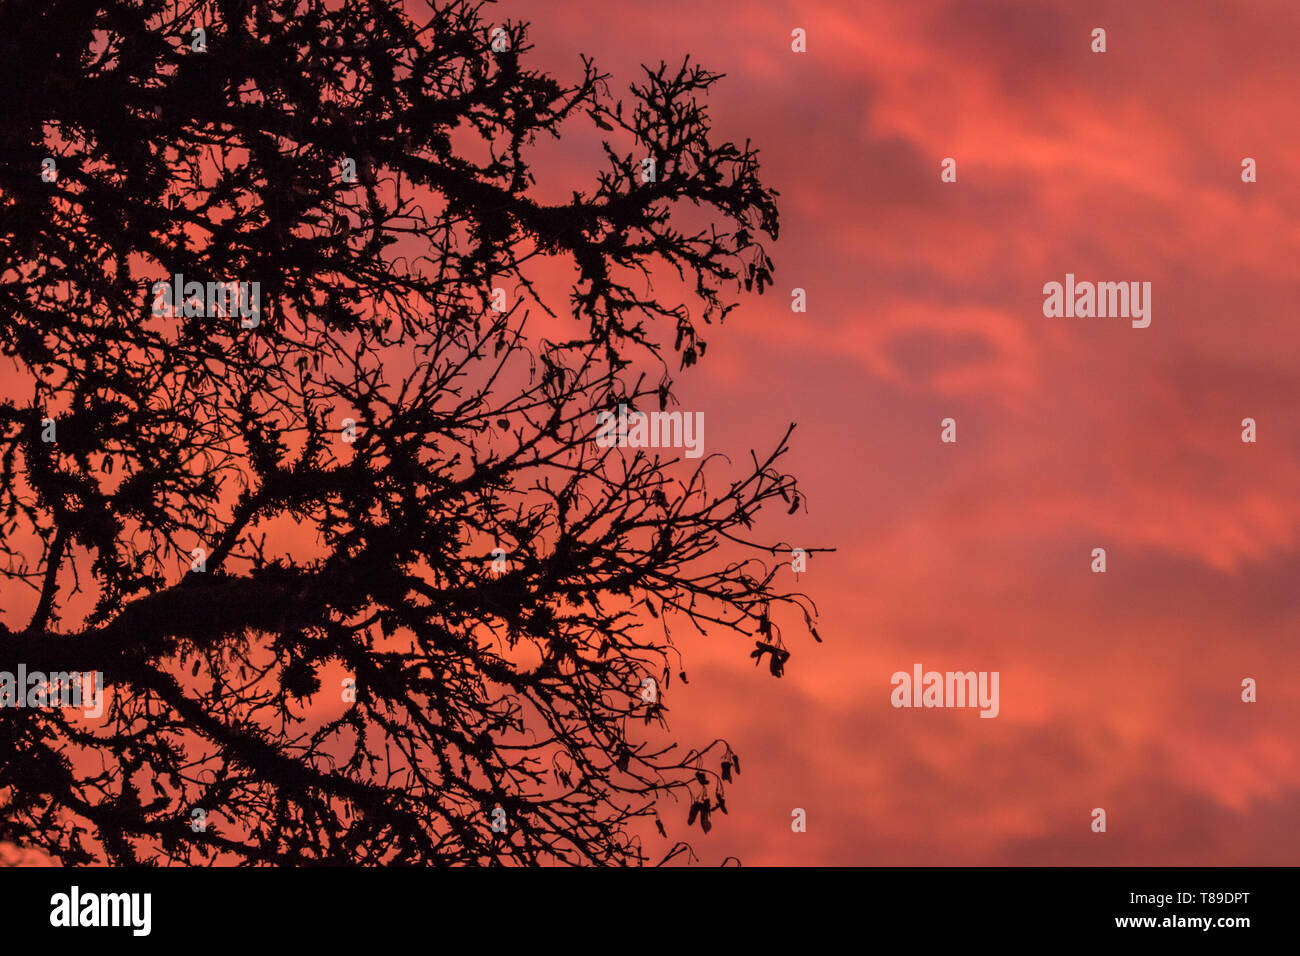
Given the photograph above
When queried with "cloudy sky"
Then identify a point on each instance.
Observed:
(1119, 690)
(925, 301)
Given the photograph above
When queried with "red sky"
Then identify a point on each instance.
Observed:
(1118, 690)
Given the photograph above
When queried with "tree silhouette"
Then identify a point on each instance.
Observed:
(361, 584)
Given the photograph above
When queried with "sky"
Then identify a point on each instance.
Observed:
(1119, 690)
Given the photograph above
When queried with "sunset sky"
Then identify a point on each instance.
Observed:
(1119, 690)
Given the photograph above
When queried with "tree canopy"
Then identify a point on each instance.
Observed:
(361, 585)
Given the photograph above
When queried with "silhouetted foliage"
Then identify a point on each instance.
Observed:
(519, 689)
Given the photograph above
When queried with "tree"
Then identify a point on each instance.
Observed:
(361, 583)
